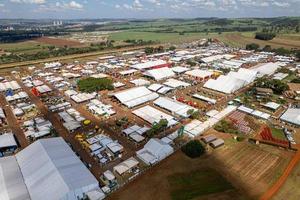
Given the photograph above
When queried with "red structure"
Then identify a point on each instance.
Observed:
(35, 92)
(266, 134)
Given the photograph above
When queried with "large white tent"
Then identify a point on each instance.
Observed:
(50, 171)
(154, 151)
(266, 68)
(150, 64)
(153, 115)
(160, 73)
(12, 186)
(232, 81)
(135, 96)
(174, 106)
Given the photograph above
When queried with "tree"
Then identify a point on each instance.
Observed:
(193, 149)
(267, 48)
(252, 46)
(149, 50)
(265, 35)
(172, 48)
(158, 127)
(95, 84)
(194, 114)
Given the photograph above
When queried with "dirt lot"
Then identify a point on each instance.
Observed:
(59, 42)
(251, 170)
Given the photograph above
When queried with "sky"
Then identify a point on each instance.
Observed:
(142, 9)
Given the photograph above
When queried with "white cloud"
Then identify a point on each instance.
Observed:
(29, 1)
(72, 5)
(136, 6)
(281, 4)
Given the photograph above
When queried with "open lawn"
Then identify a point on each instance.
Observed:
(185, 186)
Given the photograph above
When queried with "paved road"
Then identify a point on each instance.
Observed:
(13, 122)
(57, 124)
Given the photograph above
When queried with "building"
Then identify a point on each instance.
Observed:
(154, 151)
(151, 65)
(47, 169)
(292, 116)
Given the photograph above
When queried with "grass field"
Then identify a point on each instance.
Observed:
(23, 47)
(278, 133)
(185, 186)
(160, 37)
(235, 39)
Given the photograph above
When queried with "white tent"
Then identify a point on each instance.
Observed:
(232, 81)
(154, 151)
(12, 186)
(135, 96)
(153, 115)
(51, 170)
(160, 73)
(174, 106)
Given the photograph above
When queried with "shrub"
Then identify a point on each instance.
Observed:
(252, 46)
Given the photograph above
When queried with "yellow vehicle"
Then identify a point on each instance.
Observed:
(87, 122)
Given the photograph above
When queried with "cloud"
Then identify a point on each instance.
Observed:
(135, 6)
(281, 4)
(72, 5)
(29, 1)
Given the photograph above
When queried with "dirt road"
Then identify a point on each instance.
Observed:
(13, 122)
(276, 187)
(54, 119)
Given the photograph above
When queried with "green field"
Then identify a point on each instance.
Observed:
(23, 47)
(159, 37)
(278, 133)
(185, 186)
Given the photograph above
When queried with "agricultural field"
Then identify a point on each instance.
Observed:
(257, 167)
(290, 189)
(59, 42)
(185, 186)
(243, 170)
(242, 39)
